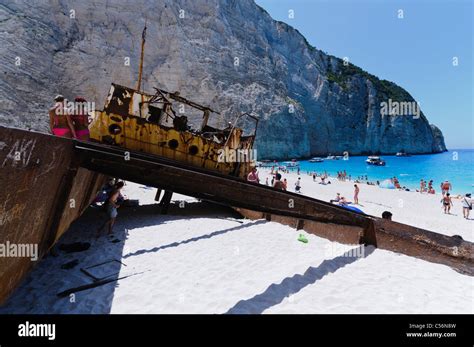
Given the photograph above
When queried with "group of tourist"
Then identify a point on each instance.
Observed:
(447, 202)
(427, 187)
(69, 122)
(342, 176)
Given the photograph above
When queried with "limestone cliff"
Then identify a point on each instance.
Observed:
(228, 54)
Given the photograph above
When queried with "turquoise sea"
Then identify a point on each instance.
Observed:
(457, 166)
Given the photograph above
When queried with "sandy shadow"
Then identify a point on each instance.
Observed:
(275, 293)
(194, 239)
(37, 294)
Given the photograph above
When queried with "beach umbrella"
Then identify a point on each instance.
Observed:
(387, 184)
(352, 208)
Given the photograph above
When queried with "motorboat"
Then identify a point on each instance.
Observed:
(374, 160)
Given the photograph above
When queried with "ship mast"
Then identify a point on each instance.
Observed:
(140, 70)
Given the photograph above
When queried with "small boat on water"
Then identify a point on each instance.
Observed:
(403, 154)
(374, 160)
(266, 163)
(316, 160)
(291, 164)
(330, 157)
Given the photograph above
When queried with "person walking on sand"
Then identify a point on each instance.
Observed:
(111, 206)
(466, 205)
(356, 194)
(445, 187)
(298, 185)
(447, 203)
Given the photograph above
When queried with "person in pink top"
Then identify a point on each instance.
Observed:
(60, 121)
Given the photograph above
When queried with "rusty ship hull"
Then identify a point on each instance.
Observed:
(43, 191)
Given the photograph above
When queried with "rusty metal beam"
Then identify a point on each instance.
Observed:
(201, 183)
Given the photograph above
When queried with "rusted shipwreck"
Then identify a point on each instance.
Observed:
(47, 182)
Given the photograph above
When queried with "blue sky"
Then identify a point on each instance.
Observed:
(415, 52)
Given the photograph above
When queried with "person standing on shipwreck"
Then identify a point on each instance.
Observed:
(60, 121)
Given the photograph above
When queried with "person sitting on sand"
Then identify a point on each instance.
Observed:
(337, 199)
(111, 205)
(278, 184)
(396, 183)
(447, 203)
(466, 205)
(343, 201)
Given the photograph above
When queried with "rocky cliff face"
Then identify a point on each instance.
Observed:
(228, 54)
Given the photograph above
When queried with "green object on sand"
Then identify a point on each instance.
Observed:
(302, 238)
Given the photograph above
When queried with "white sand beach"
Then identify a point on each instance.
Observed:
(409, 207)
(201, 259)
